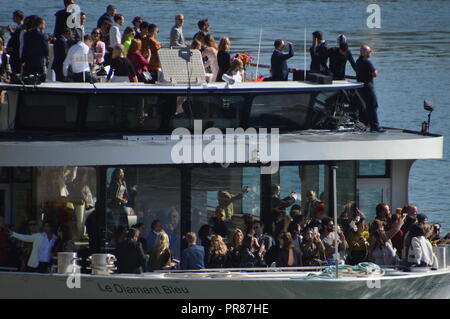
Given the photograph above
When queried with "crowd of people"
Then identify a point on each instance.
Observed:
(292, 239)
(130, 54)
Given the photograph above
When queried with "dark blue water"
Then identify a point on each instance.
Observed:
(411, 49)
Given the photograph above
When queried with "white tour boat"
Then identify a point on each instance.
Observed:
(61, 142)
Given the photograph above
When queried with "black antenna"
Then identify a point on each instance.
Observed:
(92, 78)
(186, 54)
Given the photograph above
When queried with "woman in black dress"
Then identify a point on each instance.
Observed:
(121, 66)
(223, 58)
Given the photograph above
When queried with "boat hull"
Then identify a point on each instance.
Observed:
(252, 286)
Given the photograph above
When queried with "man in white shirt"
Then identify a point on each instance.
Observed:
(176, 35)
(78, 59)
(115, 37)
(41, 254)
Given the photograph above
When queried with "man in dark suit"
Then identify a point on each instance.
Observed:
(60, 49)
(203, 27)
(108, 15)
(278, 62)
(61, 19)
(35, 49)
(319, 54)
(193, 257)
(13, 46)
(130, 255)
(365, 72)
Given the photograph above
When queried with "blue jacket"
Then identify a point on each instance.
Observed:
(279, 66)
(193, 257)
(151, 239)
(60, 22)
(105, 16)
(60, 49)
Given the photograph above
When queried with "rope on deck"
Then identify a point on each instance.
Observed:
(364, 269)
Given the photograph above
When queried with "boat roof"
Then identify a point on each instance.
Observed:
(59, 150)
(260, 87)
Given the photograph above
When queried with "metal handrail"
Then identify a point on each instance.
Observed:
(255, 269)
(291, 70)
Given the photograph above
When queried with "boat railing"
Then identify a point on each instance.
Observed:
(292, 70)
(253, 269)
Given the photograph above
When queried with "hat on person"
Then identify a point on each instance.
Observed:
(341, 39)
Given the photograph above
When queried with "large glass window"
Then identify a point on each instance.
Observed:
(22, 174)
(123, 112)
(4, 200)
(4, 174)
(235, 191)
(48, 111)
(280, 111)
(66, 196)
(303, 180)
(18, 201)
(215, 111)
(144, 195)
(21, 205)
(323, 110)
(345, 183)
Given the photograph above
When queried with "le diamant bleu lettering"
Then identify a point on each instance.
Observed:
(230, 147)
(156, 290)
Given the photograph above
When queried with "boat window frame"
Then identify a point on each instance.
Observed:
(186, 179)
(165, 127)
(20, 102)
(387, 170)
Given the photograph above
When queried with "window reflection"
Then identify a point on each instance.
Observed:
(282, 111)
(224, 194)
(123, 112)
(345, 183)
(48, 111)
(294, 189)
(215, 111)
(66, 196)
(144, 195)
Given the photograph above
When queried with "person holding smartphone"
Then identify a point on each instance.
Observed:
(328, 239)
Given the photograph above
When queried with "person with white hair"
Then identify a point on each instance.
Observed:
(176, 34)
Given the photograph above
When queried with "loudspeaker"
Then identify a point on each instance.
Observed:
(298, 75)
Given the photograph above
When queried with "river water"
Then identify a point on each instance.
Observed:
(411, 49)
